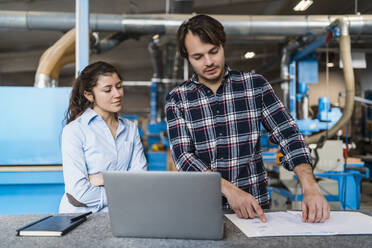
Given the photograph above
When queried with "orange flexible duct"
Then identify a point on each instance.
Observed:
(67, 59)
(345, 53)
(54, 58)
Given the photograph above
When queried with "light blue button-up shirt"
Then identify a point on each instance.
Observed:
(88, 147)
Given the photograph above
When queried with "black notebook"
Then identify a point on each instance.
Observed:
(50, 226)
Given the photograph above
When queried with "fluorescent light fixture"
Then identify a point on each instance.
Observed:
(249, 55)
(330, 64)
(303, 5)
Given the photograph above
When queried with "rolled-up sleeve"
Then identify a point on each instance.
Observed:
(181, 144)
(282, 128)
(75, 172)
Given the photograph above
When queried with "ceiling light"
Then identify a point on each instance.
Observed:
(330, 64)
(303, 5)
(249, 55)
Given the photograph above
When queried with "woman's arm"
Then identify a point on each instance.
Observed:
(75, 171)
(138, 161)
(96, 179)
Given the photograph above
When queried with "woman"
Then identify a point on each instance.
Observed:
(96, 139)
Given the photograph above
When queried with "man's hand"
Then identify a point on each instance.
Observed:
(243, 203)
(96, 179)
(315, 207)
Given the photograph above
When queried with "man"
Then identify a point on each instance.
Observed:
(214, 125)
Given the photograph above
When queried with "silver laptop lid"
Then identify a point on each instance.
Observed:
(183, 205)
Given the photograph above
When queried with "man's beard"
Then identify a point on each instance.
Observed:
(213, 79)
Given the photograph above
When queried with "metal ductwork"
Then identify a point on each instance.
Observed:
(235, 25)
(53, 59)
(102, 45)
(156, 57)
(167, 24)
(160, 45)
(170, 51)
(180, 6)
(173, 59)
(345, 54)
(284, 70)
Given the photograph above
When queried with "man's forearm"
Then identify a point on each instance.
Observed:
(243, 203)
(226, 187)
(305, 174)
(315, 207)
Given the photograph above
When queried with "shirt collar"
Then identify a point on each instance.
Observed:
(194, 77)
(122, 124)
(89, 114)
(121, 118)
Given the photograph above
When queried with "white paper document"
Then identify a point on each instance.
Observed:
(289, 223)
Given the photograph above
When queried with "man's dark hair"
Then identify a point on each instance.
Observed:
(207, 28)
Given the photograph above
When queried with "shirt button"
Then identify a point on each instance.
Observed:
(218, 111)
(209, 91)
(221, 158)
(220, 134)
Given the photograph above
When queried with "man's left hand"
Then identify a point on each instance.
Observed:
(315, 207)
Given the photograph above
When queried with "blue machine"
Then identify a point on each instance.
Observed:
(327, 116)
(325, 120)
(31, 124)
(157, 160)
(326, 113)
(304, 64)
(348, 185)
(156, 134)
(30, 130)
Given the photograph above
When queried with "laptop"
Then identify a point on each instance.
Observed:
(183, 205)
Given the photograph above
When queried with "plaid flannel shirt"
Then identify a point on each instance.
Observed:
(222, 132)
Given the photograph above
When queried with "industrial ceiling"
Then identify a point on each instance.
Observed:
(20, 50)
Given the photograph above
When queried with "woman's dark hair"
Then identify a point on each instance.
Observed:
(207, 28)
(85, 82)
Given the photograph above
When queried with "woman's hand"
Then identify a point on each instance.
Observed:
(96, 179)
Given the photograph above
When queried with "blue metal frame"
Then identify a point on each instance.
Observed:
(292, 89)
(323, 39)
(157, 161)
(82, 35)
(30, 192)
(153, 100)
(348, 188)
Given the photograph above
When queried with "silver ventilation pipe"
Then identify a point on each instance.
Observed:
(170, 51)
(156, 57)
(174, 60)
(181, 6)
(284, 75)
(284, 69)
(167, 24)
(102, 45)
